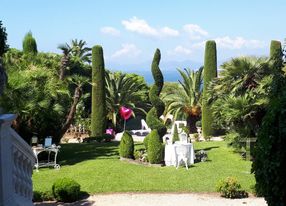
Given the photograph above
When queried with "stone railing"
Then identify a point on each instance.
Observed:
(16, 166)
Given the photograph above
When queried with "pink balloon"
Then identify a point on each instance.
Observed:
(125, 112)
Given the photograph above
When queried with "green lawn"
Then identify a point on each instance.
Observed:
(96, 166)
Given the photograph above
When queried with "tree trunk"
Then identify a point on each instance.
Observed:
(191, 123)
(72, 111)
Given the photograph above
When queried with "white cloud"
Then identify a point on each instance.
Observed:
(238, 43)
(127, 50)
(195, 31)
(227, 42)
(180, 50)
(169, 32)
(110, 30)
(140, 26)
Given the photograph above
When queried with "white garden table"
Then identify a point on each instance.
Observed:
(171, 157)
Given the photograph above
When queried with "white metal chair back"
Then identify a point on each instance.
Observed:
(182, 155)
(144, 125)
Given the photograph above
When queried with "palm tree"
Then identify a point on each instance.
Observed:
(79, 51)
(127, 90)
(187, 101)
(65, 60)
(239, 96)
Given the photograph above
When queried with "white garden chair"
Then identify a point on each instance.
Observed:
(182, 155)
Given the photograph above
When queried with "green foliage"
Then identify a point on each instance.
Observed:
(230, 188)
(129, 90)
(29, 44)
(240, 96)
(198, 124)
(155, 148)
(269, 154)
(126, 147)
(3, 40)
(66, 190)
(34, 93)
(98, 110)
(185, 102)
(175, 134)
(39, 196)
(158, 108)
(210, 72)
(146, 140)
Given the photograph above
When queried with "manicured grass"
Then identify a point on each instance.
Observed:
(97, 168)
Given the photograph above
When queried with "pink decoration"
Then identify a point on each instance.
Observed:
(109, 131)
(125, 112)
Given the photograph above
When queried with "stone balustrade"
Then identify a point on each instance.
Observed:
(16, 166)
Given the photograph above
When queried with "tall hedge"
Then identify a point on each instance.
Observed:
(98, 105)
(270, 150)
(29, 44)
(155, 148)
(210, 72)
(153, 120)
(126, 147)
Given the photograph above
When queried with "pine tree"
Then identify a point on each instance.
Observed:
(29, 44)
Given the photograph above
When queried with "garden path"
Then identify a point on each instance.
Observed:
(164, 199)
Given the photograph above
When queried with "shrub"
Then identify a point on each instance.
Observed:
(66, 190)
(230, 188)
(196, 136)
(37, 196)
(175, 134)
(98, 108)
(47, 196)
(153, 120)
(126, 147)
(155, 148)
(145, 141)
(29, 44)
(269, 154)
(210, 72)
(198, 124)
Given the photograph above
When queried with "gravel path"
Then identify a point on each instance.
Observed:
(165, 199)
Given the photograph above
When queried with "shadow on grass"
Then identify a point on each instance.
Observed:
(206, 149)
(71, 154)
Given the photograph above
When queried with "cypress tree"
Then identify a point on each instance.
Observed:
(3, 40)
(29, 44)
(269, 152)
(210, 72)
(98, 105)
(155, 148)
(175, 134)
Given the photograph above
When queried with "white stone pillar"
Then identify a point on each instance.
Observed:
(16, 165)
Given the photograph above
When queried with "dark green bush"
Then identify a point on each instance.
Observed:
(230, 188)
(66, 190)
(210, 72)
(98, 108)
(126, 147)
(155, 148)
(3, 40)
(269, 153)
(175, 134)
(37, 196)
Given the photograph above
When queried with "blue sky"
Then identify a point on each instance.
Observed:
(131, 30)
